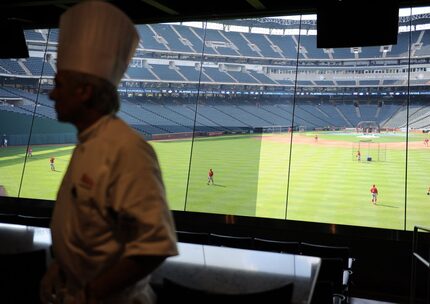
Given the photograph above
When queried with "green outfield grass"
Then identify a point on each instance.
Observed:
(253, 177)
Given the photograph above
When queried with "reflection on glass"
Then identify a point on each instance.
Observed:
(290, 131)
(350, 141)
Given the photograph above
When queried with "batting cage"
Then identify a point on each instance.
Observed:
(367, 150)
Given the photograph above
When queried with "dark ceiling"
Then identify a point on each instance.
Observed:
(45, 13)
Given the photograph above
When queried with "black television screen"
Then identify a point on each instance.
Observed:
(343, 24)
(296, 136)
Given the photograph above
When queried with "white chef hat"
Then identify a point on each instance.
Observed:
(96, 38)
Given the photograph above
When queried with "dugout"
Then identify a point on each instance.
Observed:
(368, 126)
(275, 129)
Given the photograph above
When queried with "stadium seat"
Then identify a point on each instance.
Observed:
(173, 292)
(276, 246)
(244, 242)
(193, 237)
(327, 251)
(336, 265)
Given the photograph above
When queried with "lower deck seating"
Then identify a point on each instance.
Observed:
(336, 267)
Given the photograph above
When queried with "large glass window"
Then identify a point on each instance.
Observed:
(289, 130)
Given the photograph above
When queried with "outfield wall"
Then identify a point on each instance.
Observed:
(42, 139)
(16, 128)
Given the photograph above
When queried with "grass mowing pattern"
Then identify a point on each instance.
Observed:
(326, 183)
(235, 161)
(38, 180)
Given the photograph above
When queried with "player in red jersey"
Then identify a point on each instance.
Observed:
(210, 177)
(374, 192)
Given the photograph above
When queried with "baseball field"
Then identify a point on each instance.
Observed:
(297, 177)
